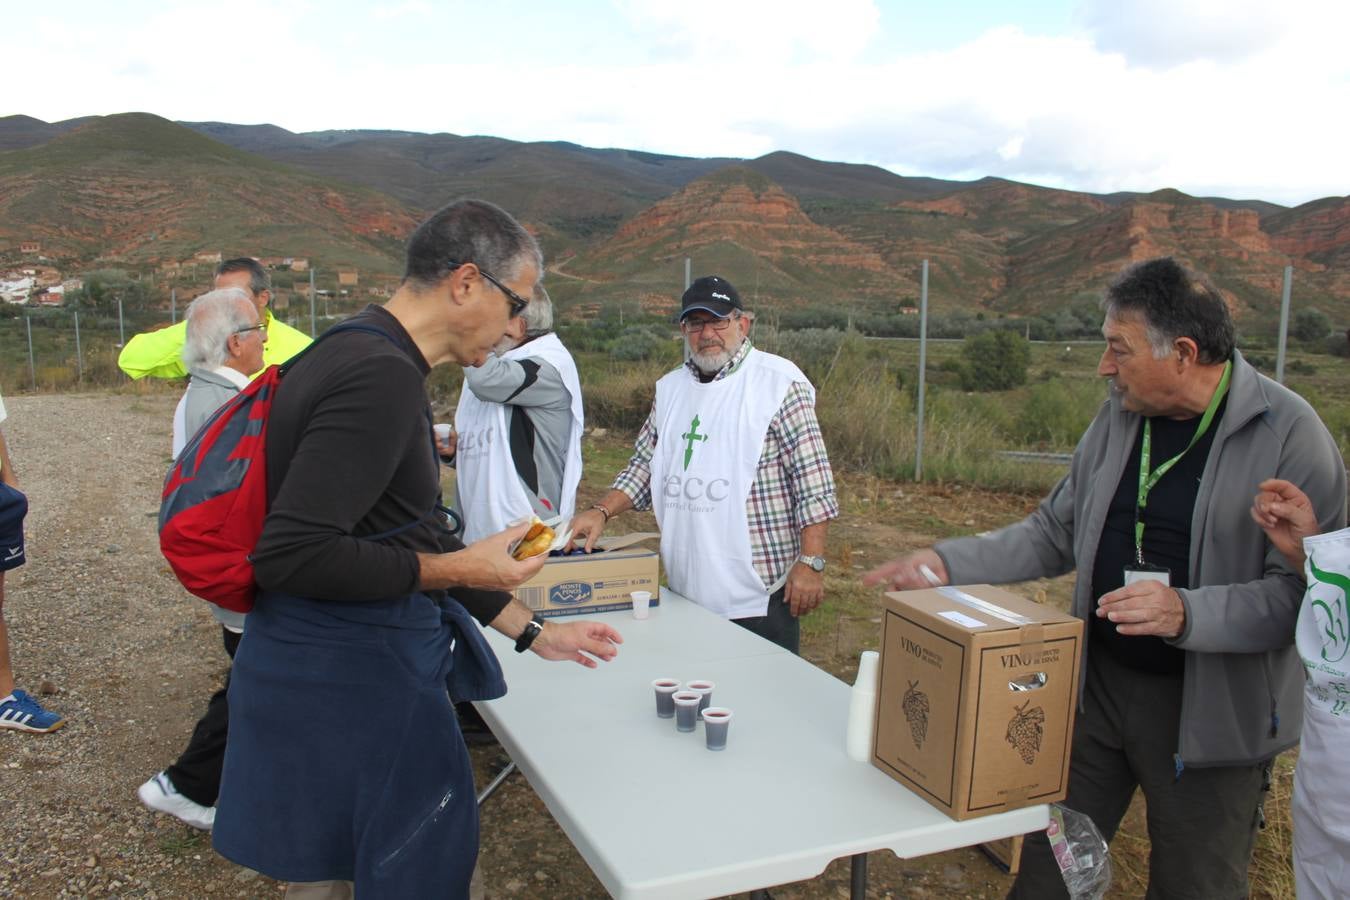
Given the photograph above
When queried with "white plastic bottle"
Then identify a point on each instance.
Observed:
(862, 707)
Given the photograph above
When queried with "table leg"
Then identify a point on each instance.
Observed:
(858, 877)
(496, 782)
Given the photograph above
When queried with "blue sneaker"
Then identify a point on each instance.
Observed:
(22, 713)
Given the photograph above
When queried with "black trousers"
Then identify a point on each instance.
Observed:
(196, 773)
(778, 624)
(1201, 825)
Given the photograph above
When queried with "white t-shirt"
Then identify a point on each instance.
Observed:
(3, 415)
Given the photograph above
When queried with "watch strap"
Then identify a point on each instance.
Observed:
(532, 629)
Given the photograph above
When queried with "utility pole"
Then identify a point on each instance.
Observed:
(312, 332)
(173, 306)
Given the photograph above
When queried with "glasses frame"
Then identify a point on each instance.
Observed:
(518, 303)
(260, 327)
(716, 323)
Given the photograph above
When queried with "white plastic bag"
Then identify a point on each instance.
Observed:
(1080, 851)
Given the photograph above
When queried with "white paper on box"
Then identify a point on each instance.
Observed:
(961, 619)
(992, 609)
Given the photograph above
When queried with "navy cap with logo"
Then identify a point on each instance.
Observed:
(711, 294)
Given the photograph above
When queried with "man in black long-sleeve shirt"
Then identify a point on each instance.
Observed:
(344, 762)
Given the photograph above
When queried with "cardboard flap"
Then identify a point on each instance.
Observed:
(618, 542)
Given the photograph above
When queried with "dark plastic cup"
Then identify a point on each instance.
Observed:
(665, 689)
(716, 724)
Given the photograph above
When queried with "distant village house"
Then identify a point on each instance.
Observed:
(347, 277)
(213, 258)
(30, 246)
(16, 290)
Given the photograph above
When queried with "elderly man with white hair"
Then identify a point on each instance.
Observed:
(519, 426)
(223, 346)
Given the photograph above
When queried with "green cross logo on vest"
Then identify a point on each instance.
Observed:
(1332, 621)
(690, 436)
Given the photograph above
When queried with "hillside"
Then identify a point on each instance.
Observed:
(617, 224)
(738, 223)
(140, 189)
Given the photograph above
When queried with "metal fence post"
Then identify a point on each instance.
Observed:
(923, 366)
(32, 367)
(1284, 323)
(79, 356)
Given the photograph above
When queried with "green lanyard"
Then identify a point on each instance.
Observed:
(1147, 479)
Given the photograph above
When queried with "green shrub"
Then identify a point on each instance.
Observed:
(995, 361)
(1056, 413)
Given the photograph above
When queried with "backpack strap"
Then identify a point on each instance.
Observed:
(437, 507)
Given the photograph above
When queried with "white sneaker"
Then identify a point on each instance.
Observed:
(160, 795)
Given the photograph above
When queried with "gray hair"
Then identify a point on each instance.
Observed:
(470, 231)
(1173, 302)
(538, 315)
(211, 319)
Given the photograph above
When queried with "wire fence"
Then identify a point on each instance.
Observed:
(60, 349)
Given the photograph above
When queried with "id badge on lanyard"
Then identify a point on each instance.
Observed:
(1142, 571)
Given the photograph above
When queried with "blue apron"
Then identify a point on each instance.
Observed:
(345, 759)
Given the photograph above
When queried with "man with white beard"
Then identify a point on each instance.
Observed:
(744, 489)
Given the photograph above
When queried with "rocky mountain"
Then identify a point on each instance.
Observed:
(136, 188)
(737, 222)
(617, 224)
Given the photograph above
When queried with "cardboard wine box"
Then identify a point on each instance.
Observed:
(976, 697)
(594, 582)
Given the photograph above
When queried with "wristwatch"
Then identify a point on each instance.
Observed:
(532, 629)
(817, 563)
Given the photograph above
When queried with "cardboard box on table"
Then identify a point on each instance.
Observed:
(975, 698)
(594, 582)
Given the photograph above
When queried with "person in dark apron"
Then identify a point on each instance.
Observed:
(345, 771)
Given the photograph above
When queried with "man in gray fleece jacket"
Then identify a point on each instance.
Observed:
(1191, 684)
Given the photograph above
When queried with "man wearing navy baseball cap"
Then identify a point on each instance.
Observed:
(745, 488)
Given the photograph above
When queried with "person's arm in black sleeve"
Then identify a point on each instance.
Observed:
(483, 605)
(345, 459)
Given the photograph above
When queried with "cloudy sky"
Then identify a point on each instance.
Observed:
(1236, 98)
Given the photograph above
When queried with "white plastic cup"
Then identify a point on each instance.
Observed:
(704, 689)
(686, 710)
(642, 603)
(716, 723)
(442, 432)
(665, 690)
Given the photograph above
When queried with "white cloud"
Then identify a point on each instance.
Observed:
(411, 8)
(728, 32)
(747, 78)
(1167, 32)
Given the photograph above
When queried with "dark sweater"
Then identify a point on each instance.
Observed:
(1167, 534)
(349, 454)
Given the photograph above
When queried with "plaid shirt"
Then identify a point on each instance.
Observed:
(793, 485)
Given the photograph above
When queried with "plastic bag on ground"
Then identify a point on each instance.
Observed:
(1081, 853)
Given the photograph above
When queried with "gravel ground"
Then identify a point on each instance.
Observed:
(100, 626)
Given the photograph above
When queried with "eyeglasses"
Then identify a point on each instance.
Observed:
(694, 326)
(518, 303)
(261, 327)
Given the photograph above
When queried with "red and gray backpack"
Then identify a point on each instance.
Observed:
(215, 495)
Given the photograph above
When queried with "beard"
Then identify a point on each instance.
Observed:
(712, 360)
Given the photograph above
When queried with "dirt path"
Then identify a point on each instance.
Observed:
(98, 621)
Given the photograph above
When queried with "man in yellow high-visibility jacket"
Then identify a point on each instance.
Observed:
(159, 354)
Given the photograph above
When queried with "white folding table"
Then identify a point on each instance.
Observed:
(657, 815)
